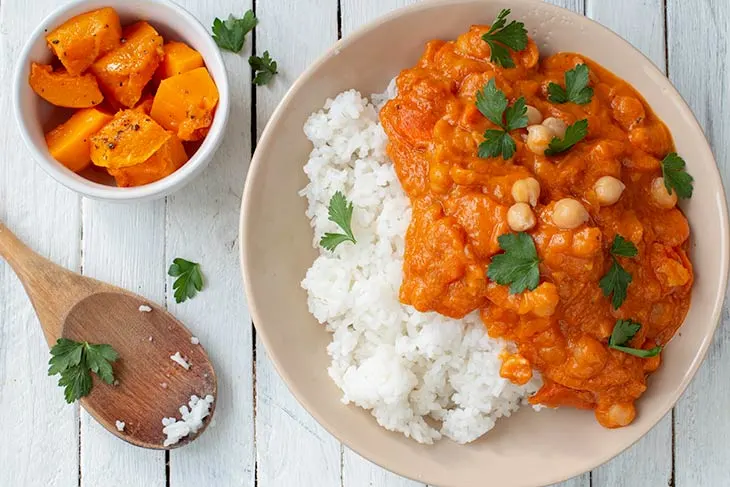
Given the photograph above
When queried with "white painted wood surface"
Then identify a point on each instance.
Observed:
(262, 436)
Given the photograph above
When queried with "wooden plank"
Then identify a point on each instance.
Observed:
(123, 245)
(202, 225)
(284, 430)
(698, 67)
(39, 430)
(642, 24)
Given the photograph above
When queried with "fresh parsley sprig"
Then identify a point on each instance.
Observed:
(340, 212)
(518, 265)
(264, 68)
(189, 279)
(676, 177)
(573, 134)
(230, 34)
(492, 103)
(74, 362)
(623, 332)
(502, 37)
(616, 282)
(576, 87)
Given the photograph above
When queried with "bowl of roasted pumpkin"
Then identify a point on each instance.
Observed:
(121, 100)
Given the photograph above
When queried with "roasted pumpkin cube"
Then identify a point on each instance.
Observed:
(185, 103)
(124, 72)
(130, 138)
(80, 41)
(179, 58)
(168, 159)
(64, 90)
(69, 143)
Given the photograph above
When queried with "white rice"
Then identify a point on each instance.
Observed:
(191, 419)
(179, 359)
(420, 374)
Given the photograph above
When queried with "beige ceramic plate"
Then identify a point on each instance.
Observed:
(528, 449)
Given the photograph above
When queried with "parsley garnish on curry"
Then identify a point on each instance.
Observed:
(544, 195)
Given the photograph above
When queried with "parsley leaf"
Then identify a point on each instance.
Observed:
(492, 103)
(676, 176)
(74, 362)
(623, 248)
(189, 279)
(576, 87)
(573, 134)
(623, 332)
(502, 37)
(616, 282)
(497, 142)
(518, 265)
(231, 33)
(340, 212)
(516, 115)
(264, 67)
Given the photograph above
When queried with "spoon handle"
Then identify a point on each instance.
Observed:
(17, 254)
(52, 289)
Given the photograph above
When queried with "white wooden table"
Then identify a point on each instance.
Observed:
(262, 436)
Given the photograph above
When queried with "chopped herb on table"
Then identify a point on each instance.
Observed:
(676, 177)
(573, 134)
(230, 34)
(623, 332)
(576, 87)
(340, 212)
(492, 103)
(264, 68)
(616, 282)
(518, 265)
(189, 279)
(75, 361)
(502, 37)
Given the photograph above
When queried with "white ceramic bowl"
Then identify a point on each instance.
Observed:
(35, 116)
(527, 449)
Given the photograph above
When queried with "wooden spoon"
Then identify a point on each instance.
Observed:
(150, 385)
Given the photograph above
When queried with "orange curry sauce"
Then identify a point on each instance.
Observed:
(460, 203)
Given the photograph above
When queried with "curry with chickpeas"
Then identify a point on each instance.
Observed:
(544, 196)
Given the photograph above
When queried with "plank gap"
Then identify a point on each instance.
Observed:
(254, 142)
(672, 473)
(339, 19)
(77, 417)
(167, 466)
(666, 73)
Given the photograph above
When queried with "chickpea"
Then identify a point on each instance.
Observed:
(569, 214)
(526, 190)
(538, 138)
(588, 358)
(608, 190)
(520, 217)
(516, 368)
(534, 116)
(615, 415)
(556, 126)
(660, 194)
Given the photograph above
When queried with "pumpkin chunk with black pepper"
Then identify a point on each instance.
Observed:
(130, 138)
(124, 72)
(81, 40)
(62, 89)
